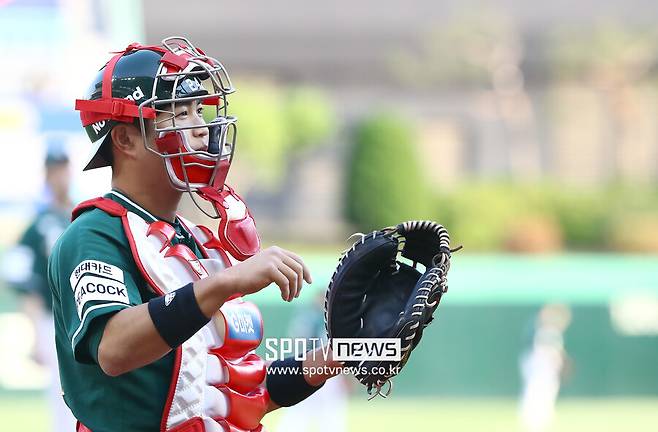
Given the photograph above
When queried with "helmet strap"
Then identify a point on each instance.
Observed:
(118, 109)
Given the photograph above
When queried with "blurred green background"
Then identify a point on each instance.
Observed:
(528, 129)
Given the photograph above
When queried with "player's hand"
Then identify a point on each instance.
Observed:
(272, 265)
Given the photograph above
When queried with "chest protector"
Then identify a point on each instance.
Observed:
(217, 384)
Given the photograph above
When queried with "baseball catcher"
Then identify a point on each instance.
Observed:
(374, 293)
(153, 328)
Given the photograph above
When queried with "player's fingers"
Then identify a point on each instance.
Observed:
(292, 279)
(299, 272)
(307, 272)
(282, 282)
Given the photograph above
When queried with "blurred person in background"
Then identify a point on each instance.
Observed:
(25, 269)
(325, 410)
(543, 366)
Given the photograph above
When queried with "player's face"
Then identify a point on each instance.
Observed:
(188, 114)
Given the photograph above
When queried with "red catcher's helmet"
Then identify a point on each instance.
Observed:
(141, 82)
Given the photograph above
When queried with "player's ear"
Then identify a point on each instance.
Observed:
(149, 126)
(127, 139)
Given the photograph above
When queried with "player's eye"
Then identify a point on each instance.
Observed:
(199, 110)
(182, 113)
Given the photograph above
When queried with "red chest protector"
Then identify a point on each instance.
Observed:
(217, 381)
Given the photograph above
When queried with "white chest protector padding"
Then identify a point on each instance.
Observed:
(169, 274)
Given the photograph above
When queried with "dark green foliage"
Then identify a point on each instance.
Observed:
(385, 183)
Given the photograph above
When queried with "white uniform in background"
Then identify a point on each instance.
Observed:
(542, 369)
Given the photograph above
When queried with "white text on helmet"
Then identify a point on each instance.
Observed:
(98, 126)
(137, 95)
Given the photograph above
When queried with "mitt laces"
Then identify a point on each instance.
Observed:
(361, 239)
(436, 277)
(378, 389)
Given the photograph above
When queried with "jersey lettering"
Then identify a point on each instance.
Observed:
(98, 268)
(94, 288)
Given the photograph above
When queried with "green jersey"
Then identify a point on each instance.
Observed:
(27, 262)
(93, 275)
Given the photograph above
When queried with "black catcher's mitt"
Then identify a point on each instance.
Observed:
(373, 294)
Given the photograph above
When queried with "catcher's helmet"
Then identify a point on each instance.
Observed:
(141, 82)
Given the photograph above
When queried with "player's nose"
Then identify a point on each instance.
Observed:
(200, 133)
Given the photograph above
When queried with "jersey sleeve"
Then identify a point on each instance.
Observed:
(92, 277)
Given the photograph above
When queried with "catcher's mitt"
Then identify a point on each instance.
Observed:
(373, 294)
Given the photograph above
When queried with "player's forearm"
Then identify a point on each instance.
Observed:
(131, 339)
(212, 292)
(316, 369)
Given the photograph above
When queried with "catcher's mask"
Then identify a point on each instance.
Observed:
(143, 85)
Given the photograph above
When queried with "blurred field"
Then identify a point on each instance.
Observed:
(28, 414)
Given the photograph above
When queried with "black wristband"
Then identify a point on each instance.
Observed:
(286, 383)
(177, 315)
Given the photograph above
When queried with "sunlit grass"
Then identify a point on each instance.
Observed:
(29, 414)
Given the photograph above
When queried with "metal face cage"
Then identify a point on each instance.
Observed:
(203, 81)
